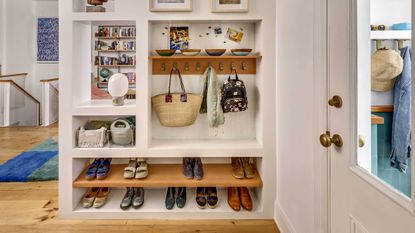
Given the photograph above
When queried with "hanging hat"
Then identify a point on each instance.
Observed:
(387, 64)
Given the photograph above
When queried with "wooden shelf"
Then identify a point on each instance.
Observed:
(377, 120)
(198, 64)
(112, 66)
(157, 57)
(170, 175)
(114, 38)
(115, 51)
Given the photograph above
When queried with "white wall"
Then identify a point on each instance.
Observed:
(388, 12)
(18, 20)
(48, 8)
(1, 31)
(296, 135)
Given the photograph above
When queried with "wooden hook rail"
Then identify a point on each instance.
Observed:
(198, 64)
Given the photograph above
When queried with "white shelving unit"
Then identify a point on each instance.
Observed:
(391, 35)
(249, 134)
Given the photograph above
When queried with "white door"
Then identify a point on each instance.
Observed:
(360, 201)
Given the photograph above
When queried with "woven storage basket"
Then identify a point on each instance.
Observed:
(177, 109)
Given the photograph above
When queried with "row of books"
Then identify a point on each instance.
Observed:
(116, 31)
(115, 45)
(123, 59)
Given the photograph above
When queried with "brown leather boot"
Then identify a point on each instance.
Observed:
(233, 199)
(246, 200)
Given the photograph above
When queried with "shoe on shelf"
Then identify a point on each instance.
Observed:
(91, 173)
(138, 199)
(170, 198)
(237, 168)
(198, 169)
(201, 197)
(248, 168)
(129, 171)
(101, 197)
(246, 200)
(188, 168)
(142, 169)
(181, 197)
(212, 197)
(89, 197)
(104, 169)
(233, 199)
(127, 199)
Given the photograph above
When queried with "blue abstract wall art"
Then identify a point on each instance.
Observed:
(48, 40)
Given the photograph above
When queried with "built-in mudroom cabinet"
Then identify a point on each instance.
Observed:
(128, 39)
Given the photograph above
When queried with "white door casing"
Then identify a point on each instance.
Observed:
(358, 201)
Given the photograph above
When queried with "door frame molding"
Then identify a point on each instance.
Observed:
(321, 116)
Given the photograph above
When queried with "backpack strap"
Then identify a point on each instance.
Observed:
(236, 75)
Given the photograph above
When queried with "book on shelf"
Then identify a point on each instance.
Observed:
(116, 31)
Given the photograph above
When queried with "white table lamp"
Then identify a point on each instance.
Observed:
(118, 88)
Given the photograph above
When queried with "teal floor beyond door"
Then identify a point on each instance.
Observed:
(383, 170)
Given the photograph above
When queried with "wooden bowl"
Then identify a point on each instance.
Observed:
(190, 52)
(241, 52)
(166, 52)
(215, 52)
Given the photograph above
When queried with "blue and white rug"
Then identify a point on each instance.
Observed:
(37, 164)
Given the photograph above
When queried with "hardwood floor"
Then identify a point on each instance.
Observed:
(33, 207)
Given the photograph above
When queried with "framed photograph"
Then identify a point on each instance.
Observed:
(179, 37)
(171, 5)
(230, 6)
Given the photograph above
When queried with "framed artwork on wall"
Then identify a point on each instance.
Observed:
(229, 6)
(171, 5)
(48, 40)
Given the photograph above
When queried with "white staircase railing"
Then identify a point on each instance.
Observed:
(50, 101)
(17, 106)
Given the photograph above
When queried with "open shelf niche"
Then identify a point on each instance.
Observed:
(91, 94)
(239, 133)
(165, 173)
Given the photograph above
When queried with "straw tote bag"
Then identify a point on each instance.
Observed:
(177, 109)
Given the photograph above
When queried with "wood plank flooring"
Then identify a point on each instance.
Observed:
(33, 207)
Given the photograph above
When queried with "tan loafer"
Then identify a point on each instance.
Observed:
(101, 197)
(233, 199)
(89, 197)
(237, 168)
(246, 200)
(248, 168)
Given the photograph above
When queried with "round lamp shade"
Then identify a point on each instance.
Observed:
(118, 88)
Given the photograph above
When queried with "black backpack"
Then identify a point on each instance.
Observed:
(234, 98)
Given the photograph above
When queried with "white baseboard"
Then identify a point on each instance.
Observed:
(282, 220)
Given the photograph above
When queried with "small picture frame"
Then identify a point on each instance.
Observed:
(170, 5)
(229, 6)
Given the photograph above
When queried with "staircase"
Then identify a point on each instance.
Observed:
(20, 108)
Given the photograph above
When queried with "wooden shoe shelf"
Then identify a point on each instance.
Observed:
(170, 175)
(247, 134)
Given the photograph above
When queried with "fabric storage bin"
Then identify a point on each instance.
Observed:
(92, 138)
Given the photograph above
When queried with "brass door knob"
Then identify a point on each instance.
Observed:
(327, 141)
(361, 141)
(336, 101)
